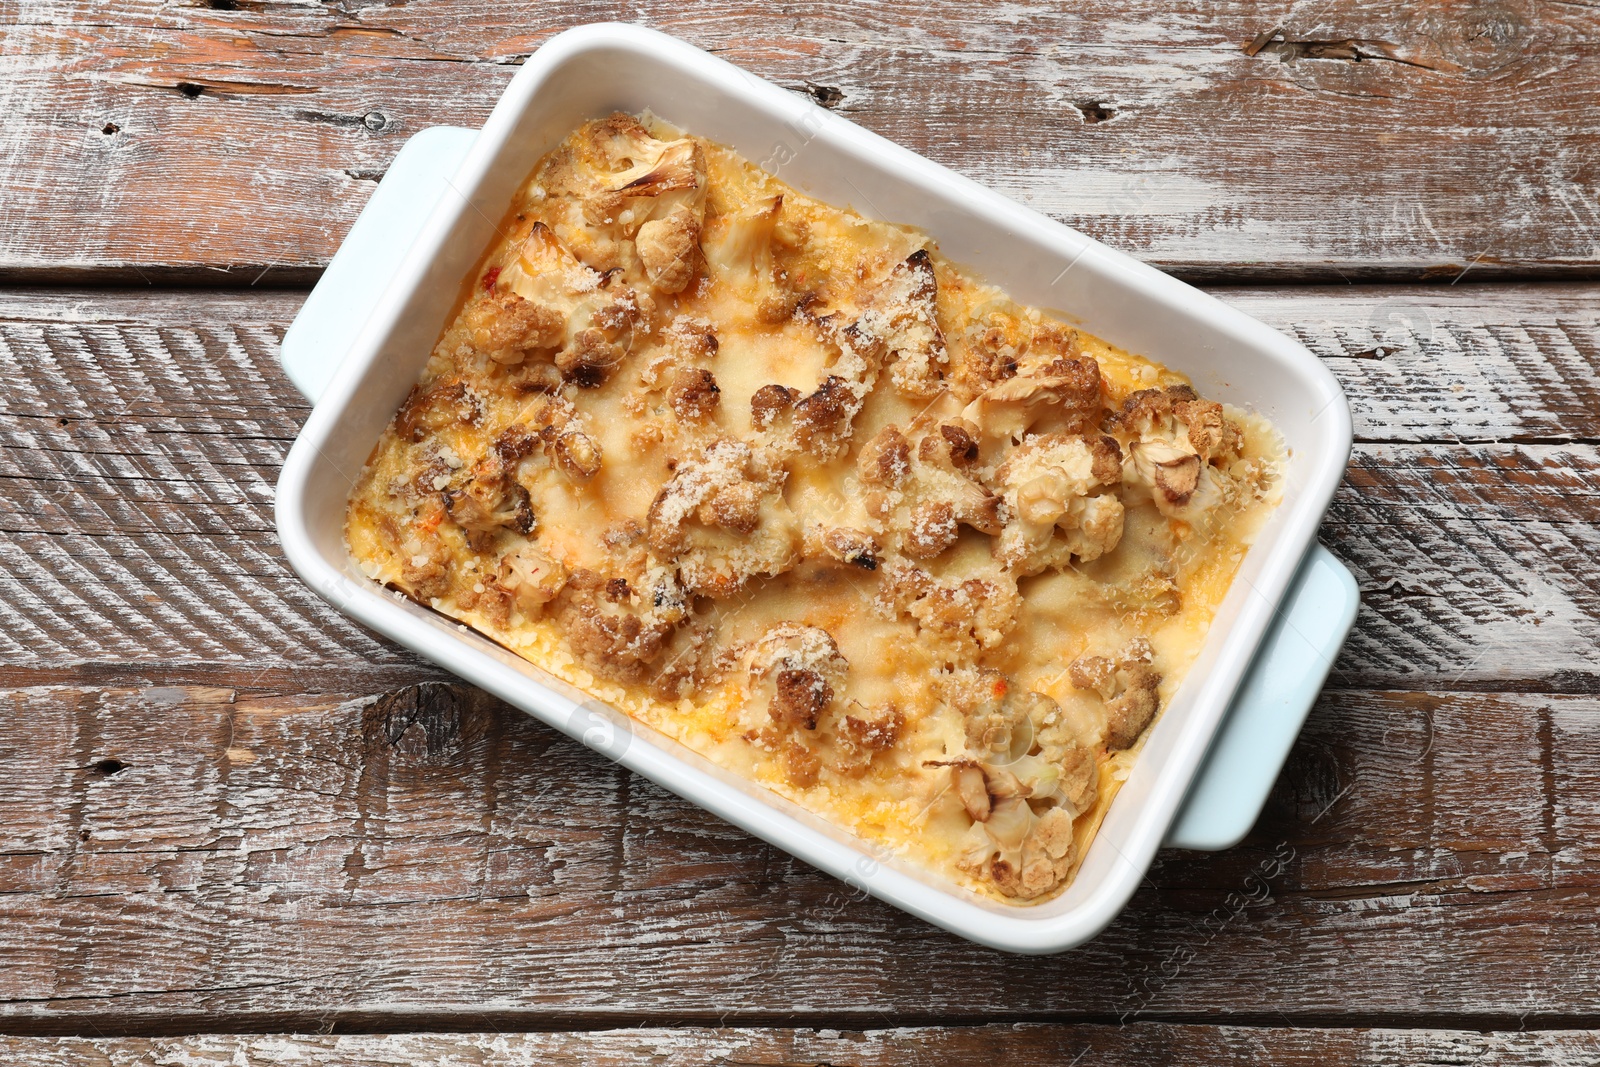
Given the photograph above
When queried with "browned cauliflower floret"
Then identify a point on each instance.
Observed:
(859, 740)
(506, 327)
(961, 615)
(722, 519)
(855, 547)
(586, 319)
(667, 180)
(694, 394)
(990, 349)
(1127, 684)
(617, 627)
(488, 502)
(1022, 781)
(885, 460)
(614, 185)
(576, 454)
(822, 418)
(680, 364)
(1059, 503)
(769, 402)
(821, 423)
(436, 406)
(601, 333)
(923, 486)
(800, 765)
(426, 574)
(660, 204)
(794, 672)
(553, 425)
(1024, 854)
(1064, 396)
(597, 152)
(1176, 444)
(669, 250)
(985, 699)
(903, 314)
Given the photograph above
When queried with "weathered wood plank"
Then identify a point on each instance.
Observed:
(1507, 362)
(1451, 363)
(141, 435)
(1136, 1045)
(224, 141)
(175, 856)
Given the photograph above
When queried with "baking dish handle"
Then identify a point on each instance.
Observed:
(1273, 700)
(1272, 703)
(333, 315)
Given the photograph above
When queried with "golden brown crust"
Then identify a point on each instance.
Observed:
(768, 402)
(694, 393)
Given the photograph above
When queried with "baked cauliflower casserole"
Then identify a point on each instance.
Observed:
(787, 486)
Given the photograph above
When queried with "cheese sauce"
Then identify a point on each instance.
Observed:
(786, 485)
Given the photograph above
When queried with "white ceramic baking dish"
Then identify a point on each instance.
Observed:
(363, 336)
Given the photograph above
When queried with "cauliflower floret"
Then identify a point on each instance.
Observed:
(437, 406)
(738, 246)
(489, 502)
(903, 313)
(587, 318)
(1129, 687)
(620, 627)
(1058, 504)
(1064, 396)
(924, 489)
(794, 671)
(1020, 782)
(660, 204)
(669, 178)
(858, 741)
(855, 547)
(1175, 444)
(533, 577)
(821, 423)
(722, 519)
(669, 250)
(960, 615)
(603, 186)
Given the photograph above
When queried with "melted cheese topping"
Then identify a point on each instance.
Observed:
(789, 487)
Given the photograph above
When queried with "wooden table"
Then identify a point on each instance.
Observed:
(236, 828)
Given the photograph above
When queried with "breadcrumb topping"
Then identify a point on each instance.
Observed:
(785, 484)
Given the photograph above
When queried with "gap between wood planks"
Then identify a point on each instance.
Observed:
(1026, 1045)
(303, 1025)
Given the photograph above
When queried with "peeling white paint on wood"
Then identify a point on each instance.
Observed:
(1407, 162)
(427, 853)
(1020, 1046)
(224, 806)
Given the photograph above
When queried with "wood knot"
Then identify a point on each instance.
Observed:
(441, 712)
(1094, 112)
(828, 96)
